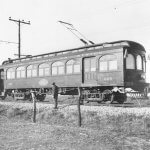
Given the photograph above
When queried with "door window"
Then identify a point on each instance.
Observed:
(90, 64)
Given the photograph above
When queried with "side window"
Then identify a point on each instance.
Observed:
(44, 70)
(58, 68)
(31, 71)
(130, 62)
(10, 73)
(73, 66)
(108, 63)
(113, 65)
(139, 62)
(20, 72)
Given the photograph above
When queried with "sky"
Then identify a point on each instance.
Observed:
(98, 20)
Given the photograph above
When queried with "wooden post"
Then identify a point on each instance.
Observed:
(34, 106)
(78, 105)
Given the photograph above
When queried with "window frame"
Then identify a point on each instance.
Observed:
(90, 66)
(105, 59)
(32, 69)
(134, 60)
(21, 72)
(57, 65)
(144, 63)
(73, 65)
(139, 61)
(14, 73)
(44, 69)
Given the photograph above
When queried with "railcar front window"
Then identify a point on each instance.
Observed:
(58, 68)
(130, 62)
(20, 72)
(31, 71)
(11, 73)
(139, 62)
(44, 70)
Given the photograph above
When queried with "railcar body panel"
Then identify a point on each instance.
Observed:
(45, 82)
(98, 65)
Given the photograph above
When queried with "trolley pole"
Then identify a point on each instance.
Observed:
(19, 33)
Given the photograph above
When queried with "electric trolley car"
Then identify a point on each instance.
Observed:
(95, 69)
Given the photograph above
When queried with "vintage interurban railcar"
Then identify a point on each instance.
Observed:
(94, 68)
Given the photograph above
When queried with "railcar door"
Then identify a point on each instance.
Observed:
(1, 80)
(89, 70)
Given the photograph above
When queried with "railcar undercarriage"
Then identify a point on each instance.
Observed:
(88, 94)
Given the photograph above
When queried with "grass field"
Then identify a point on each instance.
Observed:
(103, 128)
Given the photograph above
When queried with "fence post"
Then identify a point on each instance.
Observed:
(34, 106)
(78, 105)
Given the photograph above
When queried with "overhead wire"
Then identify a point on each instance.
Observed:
(8, 42)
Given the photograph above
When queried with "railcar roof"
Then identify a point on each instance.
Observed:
(121, 43)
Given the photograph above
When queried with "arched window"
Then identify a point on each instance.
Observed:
(73, 66)
(20, 72)
(44, 70)
(139, 62)
(31, 71)
(10, 73)
(130, 62)
(58, 68)
(108, 63)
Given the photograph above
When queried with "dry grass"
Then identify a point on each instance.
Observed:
(117, 128)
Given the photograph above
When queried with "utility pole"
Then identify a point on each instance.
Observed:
(19, 34)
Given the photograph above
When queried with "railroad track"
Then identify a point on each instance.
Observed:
(128, 103)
